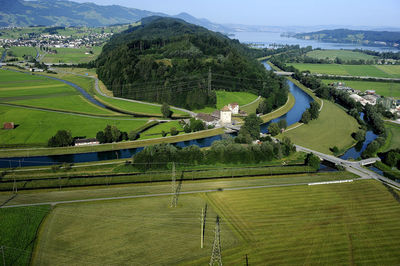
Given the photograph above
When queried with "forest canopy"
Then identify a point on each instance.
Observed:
(167, 60)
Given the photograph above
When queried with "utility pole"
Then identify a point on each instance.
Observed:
(247, 261)
(209, 79)
(216, 251)
(173, 185)
(203, 225)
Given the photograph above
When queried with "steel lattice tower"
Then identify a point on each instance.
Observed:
(216, 251)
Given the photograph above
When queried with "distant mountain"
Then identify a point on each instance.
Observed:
(68, 13)
(364, 37)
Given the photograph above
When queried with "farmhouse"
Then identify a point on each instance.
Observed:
(226, 115)
(208, 119)
(81, 142)
(234, 107)
(9, 125)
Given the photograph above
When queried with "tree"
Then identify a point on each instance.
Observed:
(174, 131)
(165, 110)
(108, 137)
(187, 128)
(133, 135)
(251, 126)
(306, 117)
(62, 138)
(100, 137)
(115, 134)
(282, 123)
(391, 158)
(313, 161)
(359, 135)
(314, 110)
(163, 133)
(274, 129)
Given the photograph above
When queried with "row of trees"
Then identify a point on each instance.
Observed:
(310, 113)
(276, 128)
(225, 151)
(113, 134)
(62, 138)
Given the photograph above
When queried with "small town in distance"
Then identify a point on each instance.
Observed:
(146, 133)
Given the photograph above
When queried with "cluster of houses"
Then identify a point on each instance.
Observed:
(58, 41)
(222, 117)
(369, 97)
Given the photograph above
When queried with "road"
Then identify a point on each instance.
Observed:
(283, 73)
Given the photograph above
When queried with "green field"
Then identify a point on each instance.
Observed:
(342, 54)
(36, 127)
(386, 71)
(333, 128)
(20, 51)
(387, 89)
(227, 97)
(29, 90)
(139, 232)
(155, 132)
(18, 228)
(351, 223)
(393, 139)
(72, 55)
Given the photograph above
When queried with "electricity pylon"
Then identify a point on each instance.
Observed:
(216, 251)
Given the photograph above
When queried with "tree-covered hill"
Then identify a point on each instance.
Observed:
(365, 37)
(168, 60)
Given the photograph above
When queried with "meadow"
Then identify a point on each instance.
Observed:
(36, 91)
(380, 71)
(155, 132)
(333, 128)
(387, 89)
(36, 127)
(18, 230)
(72, 55)
(281, 225)
(393, 138)
(342, 54)
(20, 51)
(227, 97)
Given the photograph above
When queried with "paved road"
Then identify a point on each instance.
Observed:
(258, 98)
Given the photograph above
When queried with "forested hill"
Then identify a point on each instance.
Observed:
(168, 60)
(381, 38)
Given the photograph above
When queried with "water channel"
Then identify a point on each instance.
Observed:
(293, 116)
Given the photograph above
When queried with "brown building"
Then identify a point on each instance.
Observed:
(9, 125)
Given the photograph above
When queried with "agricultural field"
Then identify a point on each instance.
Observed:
(281, 225)
(345, 55)
(380, 71)
(393, 139)
(227, 97)
(19, 52)
(155, 132)
(72, 55)
(35, 91)
(35, 127)
(18, 229)
(333, 128)
(387, 89)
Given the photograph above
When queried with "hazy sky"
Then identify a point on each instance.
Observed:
(277, 12)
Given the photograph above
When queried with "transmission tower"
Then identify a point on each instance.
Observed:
(216, 251)
(203, 225)
(174, 188)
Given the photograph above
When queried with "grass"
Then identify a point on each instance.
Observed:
(387, 89)
(6, 135)
(252, 107)
(227, 97)
(280, 111)
(139, 231)
(393, 138)
(333, 128)
(352, 223)
(72, 55)
(155, 132)
(18, 228)
(379, 71)
(21, 51)
(36, 127)
(342, 54)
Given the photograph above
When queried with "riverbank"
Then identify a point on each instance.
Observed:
(281, 110)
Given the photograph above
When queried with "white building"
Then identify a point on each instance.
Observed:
(359, 99)
(234, 107)
(226, 116)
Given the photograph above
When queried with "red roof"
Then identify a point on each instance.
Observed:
(9, 125)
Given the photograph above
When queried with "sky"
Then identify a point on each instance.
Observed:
(277, 12)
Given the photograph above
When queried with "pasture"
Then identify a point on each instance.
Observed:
(342, 54)
(333, 128)
(227, 97)
(380, 71)
(18, 230)
(20, 51)
(155, 132)
(387, 89)
(72, 55)
(36, 91)
(36, 127)
(281, 225)
(393, 139)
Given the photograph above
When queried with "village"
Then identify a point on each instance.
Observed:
(370, 97)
